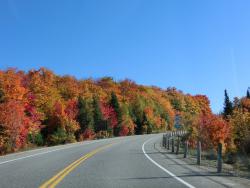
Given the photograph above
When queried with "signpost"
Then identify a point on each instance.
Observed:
(177, 125)
(177, 122)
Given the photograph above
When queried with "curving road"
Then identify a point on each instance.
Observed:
(134, 161)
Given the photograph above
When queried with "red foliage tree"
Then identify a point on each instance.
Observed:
(71, 109)
(109, 115)
(62, 118)
(212, 130)
(88, 134)
(124, 130)
(14, 126)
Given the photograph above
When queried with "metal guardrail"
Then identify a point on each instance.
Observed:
(171, 141)
(171, 137)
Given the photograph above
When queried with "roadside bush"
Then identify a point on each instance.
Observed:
(59, 137)
(102, 134)
(70, 138)
(36, 139)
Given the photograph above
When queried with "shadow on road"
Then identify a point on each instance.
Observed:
(187, 175)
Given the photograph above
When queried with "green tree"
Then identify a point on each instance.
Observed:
(138, 114)
(228, 106)
(97, 114)
(85, 115)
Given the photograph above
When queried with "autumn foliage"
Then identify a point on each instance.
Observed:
(210, 130)
(39, 107)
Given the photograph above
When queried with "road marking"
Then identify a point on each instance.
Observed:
(55, 180)
(164, 169)
(42, 153)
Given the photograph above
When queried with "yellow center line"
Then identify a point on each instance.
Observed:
(55, 180)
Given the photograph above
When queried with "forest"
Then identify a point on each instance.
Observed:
(40, 108)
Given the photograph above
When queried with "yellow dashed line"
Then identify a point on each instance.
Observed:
(55, 180)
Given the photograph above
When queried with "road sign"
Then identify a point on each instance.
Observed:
(177, 122)
(177, 126)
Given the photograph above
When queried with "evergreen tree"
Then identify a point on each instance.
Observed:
(138, 115)
(115, 104)
(248, 93)
(228, 106)
(236, 103)
(97, 113)
(85, 115)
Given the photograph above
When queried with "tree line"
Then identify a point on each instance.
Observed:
(40, 108)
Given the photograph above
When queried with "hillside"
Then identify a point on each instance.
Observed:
(42, 108)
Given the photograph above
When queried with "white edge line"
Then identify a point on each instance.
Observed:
(42, 153)
(161, 167)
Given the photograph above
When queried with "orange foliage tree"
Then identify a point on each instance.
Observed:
(48, 105)
(14, 126)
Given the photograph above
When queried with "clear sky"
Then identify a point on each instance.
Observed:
(200, 47)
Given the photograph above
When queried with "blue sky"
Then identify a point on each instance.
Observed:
(200, 47)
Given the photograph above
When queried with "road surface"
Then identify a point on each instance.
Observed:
(118, 162)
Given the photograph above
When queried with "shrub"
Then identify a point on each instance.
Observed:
(60, 137)
(36, 139)
(102, 134)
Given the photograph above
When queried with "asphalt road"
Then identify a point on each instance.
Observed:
(118, 162)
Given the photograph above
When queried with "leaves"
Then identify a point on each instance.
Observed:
(85, 115)
(56, 109)
(11, 84)
(109, 116)
(14, 126)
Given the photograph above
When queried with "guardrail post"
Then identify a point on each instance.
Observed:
(163, 141)
(178, 145)
(165, 144)
(168, 142)
(198, 152)
(185, 149)
(172, 145)
(219, 158)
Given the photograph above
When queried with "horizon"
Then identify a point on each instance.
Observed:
(197, 47)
